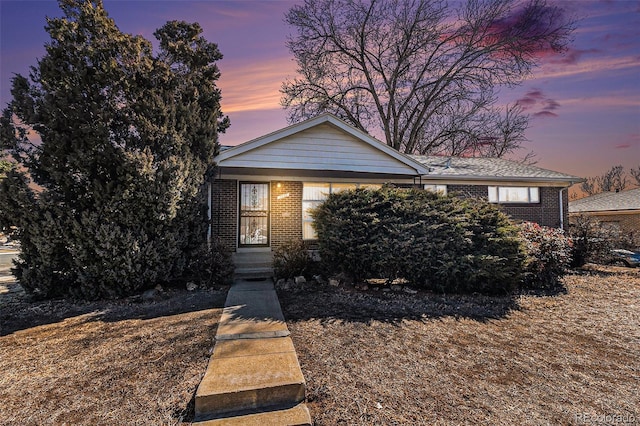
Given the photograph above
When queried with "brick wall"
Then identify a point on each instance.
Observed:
(628, 223)
(224, 212)
(286, 212)
(546, 213)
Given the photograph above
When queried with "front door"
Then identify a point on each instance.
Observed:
(253, 230)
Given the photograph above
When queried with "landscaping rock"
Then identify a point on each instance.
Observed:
(191, 286)
(151, 295)
(333, 282)
(396, 288)
(300, 280)
(409, 290)
(319, 279)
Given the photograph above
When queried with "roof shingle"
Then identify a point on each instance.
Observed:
(607, 201)
(489, 168)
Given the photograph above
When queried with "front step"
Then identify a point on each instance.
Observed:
(297, 415)
(238, 380)
(254, 367)
(253, 265)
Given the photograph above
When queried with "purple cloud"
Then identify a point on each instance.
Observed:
(535, 99)
(542, 114)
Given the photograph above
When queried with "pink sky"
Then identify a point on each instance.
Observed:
(585, 105)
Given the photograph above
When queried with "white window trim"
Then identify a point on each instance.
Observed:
(437, 188)
(356, 184)
(533, 195)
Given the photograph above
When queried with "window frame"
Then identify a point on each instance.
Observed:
(435, 188)
(495, 194)
(316, 202)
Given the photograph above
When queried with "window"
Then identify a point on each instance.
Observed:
(314, 193)
(514, 194)
(440, 189)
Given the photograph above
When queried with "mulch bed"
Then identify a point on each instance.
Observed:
(568, 357)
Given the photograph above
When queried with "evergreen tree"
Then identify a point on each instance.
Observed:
(127, 141)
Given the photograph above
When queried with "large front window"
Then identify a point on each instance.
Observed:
(314, 193)
(514, 194)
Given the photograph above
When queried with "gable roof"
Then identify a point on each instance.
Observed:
(607, 201)
(321, 143)
(485, 168)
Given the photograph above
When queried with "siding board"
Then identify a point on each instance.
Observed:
(320, 148)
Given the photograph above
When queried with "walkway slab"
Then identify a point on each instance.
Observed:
(254, 368)
(252, 311)
(298, 415)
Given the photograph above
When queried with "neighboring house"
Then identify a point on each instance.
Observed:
(264, 188)
(618, 210)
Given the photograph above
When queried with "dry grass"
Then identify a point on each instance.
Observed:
(106, 363)
(381, 358)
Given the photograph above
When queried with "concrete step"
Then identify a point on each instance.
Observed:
(297, 415)
(252, 273)
(250, 374)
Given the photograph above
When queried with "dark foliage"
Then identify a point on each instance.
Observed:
(127, 141)
(292, 259)
(445, 244)
(548, 255)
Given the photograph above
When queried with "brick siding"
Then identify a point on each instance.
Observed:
(628, 223)
(545, 213)
(286, 212)
(224, 212)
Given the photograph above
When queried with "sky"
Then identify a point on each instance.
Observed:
(584, 105)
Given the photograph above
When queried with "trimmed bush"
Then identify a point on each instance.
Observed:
(213, 266)
(548, 255)
(291, 259)
(442, 243)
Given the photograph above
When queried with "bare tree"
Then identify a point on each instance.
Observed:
(590, 186)
(422, 72)
(613, 179)
(635, 173)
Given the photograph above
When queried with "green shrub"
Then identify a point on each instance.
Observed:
(213, 266)
(548, 255)
(291, 259)
(445, 244)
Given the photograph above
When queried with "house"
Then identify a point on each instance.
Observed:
(618, 210)
(264, 188)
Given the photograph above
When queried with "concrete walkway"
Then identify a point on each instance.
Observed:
(253, 376)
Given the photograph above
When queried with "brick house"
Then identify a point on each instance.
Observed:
(264, 188)
(618, 210)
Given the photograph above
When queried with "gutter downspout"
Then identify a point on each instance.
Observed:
(561, 209)
(209, 212)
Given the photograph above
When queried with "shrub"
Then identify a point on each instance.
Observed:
(291, 259)
(548, 255)
(592, 242)
(442, 243)
(213, 266)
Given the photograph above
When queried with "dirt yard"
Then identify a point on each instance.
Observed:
(125, 362)
(375, 358)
